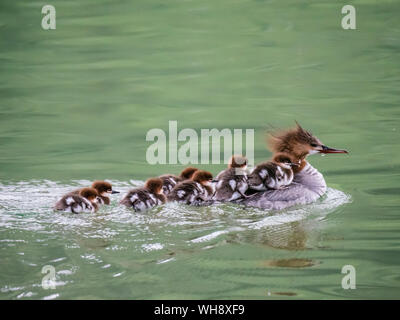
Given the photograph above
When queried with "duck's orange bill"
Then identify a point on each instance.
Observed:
(326, 149)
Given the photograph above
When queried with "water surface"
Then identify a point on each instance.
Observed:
(76, 103)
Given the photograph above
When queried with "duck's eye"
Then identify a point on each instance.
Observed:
(314, 145)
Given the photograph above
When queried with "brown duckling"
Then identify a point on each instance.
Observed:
(170, 180)
(146, 197)
(84, 201)
(103, 188)
(231, 183)
(274, 174)
(193, 191)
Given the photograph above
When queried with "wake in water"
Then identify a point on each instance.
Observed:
(28, 205)
(116, 241)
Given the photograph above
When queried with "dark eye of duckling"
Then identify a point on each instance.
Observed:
(314, 145)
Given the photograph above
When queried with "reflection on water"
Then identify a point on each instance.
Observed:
(289, 263)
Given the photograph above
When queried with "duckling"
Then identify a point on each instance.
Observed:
(170, 180)
(84, 201)
(103, 189)
(193, 191)
(275, 174)
(147, 197)
(231, 183)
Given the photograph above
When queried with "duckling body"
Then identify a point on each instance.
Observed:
(140, 199)
(189, 192)
(232, 182)
(193, 191)
(149, 196)
(170, 180)
(230, 185)
(84, 201)
(276, 174)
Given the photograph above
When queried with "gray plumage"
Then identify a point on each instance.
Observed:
(74, 203)
(231, 185)
(190, 192)
(169, 182)
(140, 199)
(269, 175)
(308, 185)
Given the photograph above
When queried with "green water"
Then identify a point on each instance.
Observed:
(76, 104)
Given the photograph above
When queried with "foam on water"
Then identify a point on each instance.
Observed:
(27, 205)
(115, 240)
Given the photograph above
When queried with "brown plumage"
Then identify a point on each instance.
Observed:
(146, 197)
(298, 143)
(187, 173)
(237, 161)
(103, 189)
(83, 201)
(170, 180)
(193, 191)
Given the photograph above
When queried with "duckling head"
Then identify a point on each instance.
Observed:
(188, 173)
(238, 161)
(89, 193)
(202, 177)
(154, 185)
(285, 160)
(103, 188)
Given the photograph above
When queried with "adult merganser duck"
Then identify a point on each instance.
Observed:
(308, 184)
(231, 183)
(84, 201)
(194, 191)
(145, 198)
(170, 180)
(103, 188)
(275, 174)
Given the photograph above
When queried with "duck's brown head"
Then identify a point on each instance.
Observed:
(238, 161)
(103, 188)
(298, 142)
(202, 177)
(89, 193)
(154, 185)
(188, 173)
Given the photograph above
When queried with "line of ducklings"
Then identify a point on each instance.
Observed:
(192, 186)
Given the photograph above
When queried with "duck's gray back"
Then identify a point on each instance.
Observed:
(307, 186)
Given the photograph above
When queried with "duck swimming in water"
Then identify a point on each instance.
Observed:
(231, 183)
(308, 184)
(103, 188)
(194, 191)
(84, 201)
(275, 174)
(147, 197)
(170, 180)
